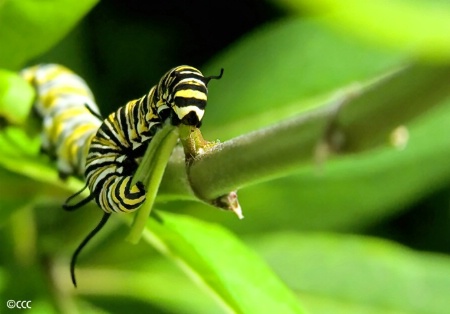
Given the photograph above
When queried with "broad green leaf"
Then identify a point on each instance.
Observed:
(218, 262)
(22, 163)
(25, 181)
(14, 184)
(12, 188)
(16, 98)
(21, 155)
(29, 28)
(419, 27)
(354, 274)
(175, 292)
(2, 279)
(282, 70)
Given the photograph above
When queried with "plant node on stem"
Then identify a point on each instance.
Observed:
(195, 146)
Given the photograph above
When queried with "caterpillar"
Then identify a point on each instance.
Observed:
(66, 105)
(107, 152)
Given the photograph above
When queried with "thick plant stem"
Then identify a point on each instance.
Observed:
(348, 125)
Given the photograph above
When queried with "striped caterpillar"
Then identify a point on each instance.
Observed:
(106, 152)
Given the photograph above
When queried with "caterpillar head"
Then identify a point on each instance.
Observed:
(189, 95)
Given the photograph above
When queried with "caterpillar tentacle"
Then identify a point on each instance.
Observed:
(80, 247)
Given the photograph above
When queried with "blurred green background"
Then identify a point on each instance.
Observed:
(365, 232)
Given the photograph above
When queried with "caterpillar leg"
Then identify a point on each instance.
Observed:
(71, 207)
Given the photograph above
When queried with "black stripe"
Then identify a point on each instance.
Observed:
(104, 150)
(93, 167)
(185, 102)
(109, 134)
(101, 188)
(122, 121)
(135, 114)
(133, 196)
(190, 86)
(177, 76)
(196, 75)
(128, 195)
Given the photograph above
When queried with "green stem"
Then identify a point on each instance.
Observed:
(362, 123)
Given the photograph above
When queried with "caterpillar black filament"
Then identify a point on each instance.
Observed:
(107, 152)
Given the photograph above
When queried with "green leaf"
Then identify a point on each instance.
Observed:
(20, 156)
(175, 292)
(29, 28)
(419, 27)
(12, 187)
(150, 173)
(16, 98)
(218, 262)
(352, 274)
